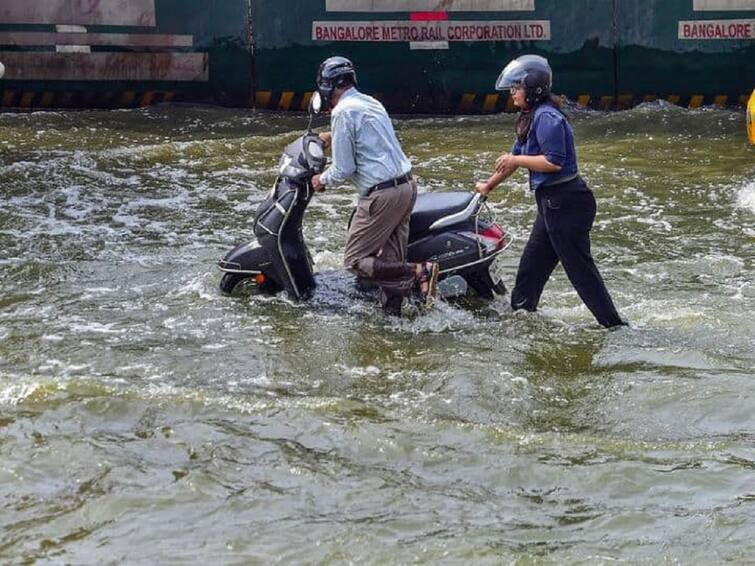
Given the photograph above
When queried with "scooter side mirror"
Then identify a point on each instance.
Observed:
(315, 104)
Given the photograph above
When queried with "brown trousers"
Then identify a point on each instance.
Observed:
(379, 237)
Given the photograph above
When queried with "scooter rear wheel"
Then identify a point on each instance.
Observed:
(500, 288)
(483, 285)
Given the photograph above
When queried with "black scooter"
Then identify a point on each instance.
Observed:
(455, 229)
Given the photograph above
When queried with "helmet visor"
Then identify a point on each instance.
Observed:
(512, 75)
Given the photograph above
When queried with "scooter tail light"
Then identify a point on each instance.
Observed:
(260, 278)
(490, 244)
(496, 233)
(493, 231)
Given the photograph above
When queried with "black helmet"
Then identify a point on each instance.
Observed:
(334, 73)
(530, 71)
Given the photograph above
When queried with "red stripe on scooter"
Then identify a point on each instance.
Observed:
(428, 16)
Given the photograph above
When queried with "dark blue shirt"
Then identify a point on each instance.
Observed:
(551, 135)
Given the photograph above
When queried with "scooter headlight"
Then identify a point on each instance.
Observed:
(286, 167)
(283, 164)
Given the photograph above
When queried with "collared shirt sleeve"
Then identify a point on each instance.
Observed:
(343, 165)
(551, 137)
(516, 149)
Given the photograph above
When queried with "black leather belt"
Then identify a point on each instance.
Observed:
(392, 183)
(561, 181)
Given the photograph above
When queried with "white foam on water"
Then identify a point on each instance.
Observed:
(248, 172)
(17, 393)
(24, 167)
(722, 268)
(202, 286)
(30, 312)
(169, 203)
(213, 347)
(174, 323)
(127, 220)
(332, 206)
(666, 314)
(357, 372)
(75, 208)
(245, 207)
(87, 327)
(443, 317)
(744, 291)
(91, 293)
(656, 223)
(746, 197)
(327, 260)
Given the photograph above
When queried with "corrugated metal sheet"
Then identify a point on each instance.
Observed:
(137, 67)
(123, 52)
(92, 12)
(41, 38)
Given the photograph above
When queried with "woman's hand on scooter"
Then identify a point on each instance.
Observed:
(483, 188)
(505, 164)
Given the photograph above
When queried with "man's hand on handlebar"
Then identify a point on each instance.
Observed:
(317, 186)
(327, 139)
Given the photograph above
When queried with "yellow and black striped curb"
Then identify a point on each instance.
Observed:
(468, 103)
(40, 100)
(471, 103)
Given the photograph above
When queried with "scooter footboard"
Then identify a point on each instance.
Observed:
(289, 262)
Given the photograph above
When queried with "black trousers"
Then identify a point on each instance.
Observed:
(565, 214)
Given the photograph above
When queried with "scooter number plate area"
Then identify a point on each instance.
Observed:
(496, 269)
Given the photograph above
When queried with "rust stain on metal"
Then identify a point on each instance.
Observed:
(429, 5)
(106, 66)
(36, 38)
(139, 13)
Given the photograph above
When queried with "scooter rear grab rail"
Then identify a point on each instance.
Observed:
(460, 216)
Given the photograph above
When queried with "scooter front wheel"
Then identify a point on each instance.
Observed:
(230, 281)
(238, 283)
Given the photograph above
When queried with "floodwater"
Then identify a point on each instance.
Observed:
(145, 418)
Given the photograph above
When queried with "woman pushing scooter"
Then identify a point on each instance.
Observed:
(565, 204)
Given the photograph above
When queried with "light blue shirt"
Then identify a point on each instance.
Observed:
(365, 146)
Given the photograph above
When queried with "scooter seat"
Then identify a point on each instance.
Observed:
(434, 206)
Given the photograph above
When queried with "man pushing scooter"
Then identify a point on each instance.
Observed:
(366, 150)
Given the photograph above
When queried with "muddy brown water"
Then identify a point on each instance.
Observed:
(145, 418)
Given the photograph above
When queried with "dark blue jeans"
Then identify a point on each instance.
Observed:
(565, 214)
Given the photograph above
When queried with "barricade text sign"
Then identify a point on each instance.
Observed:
(397, 31)
(717, 29)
